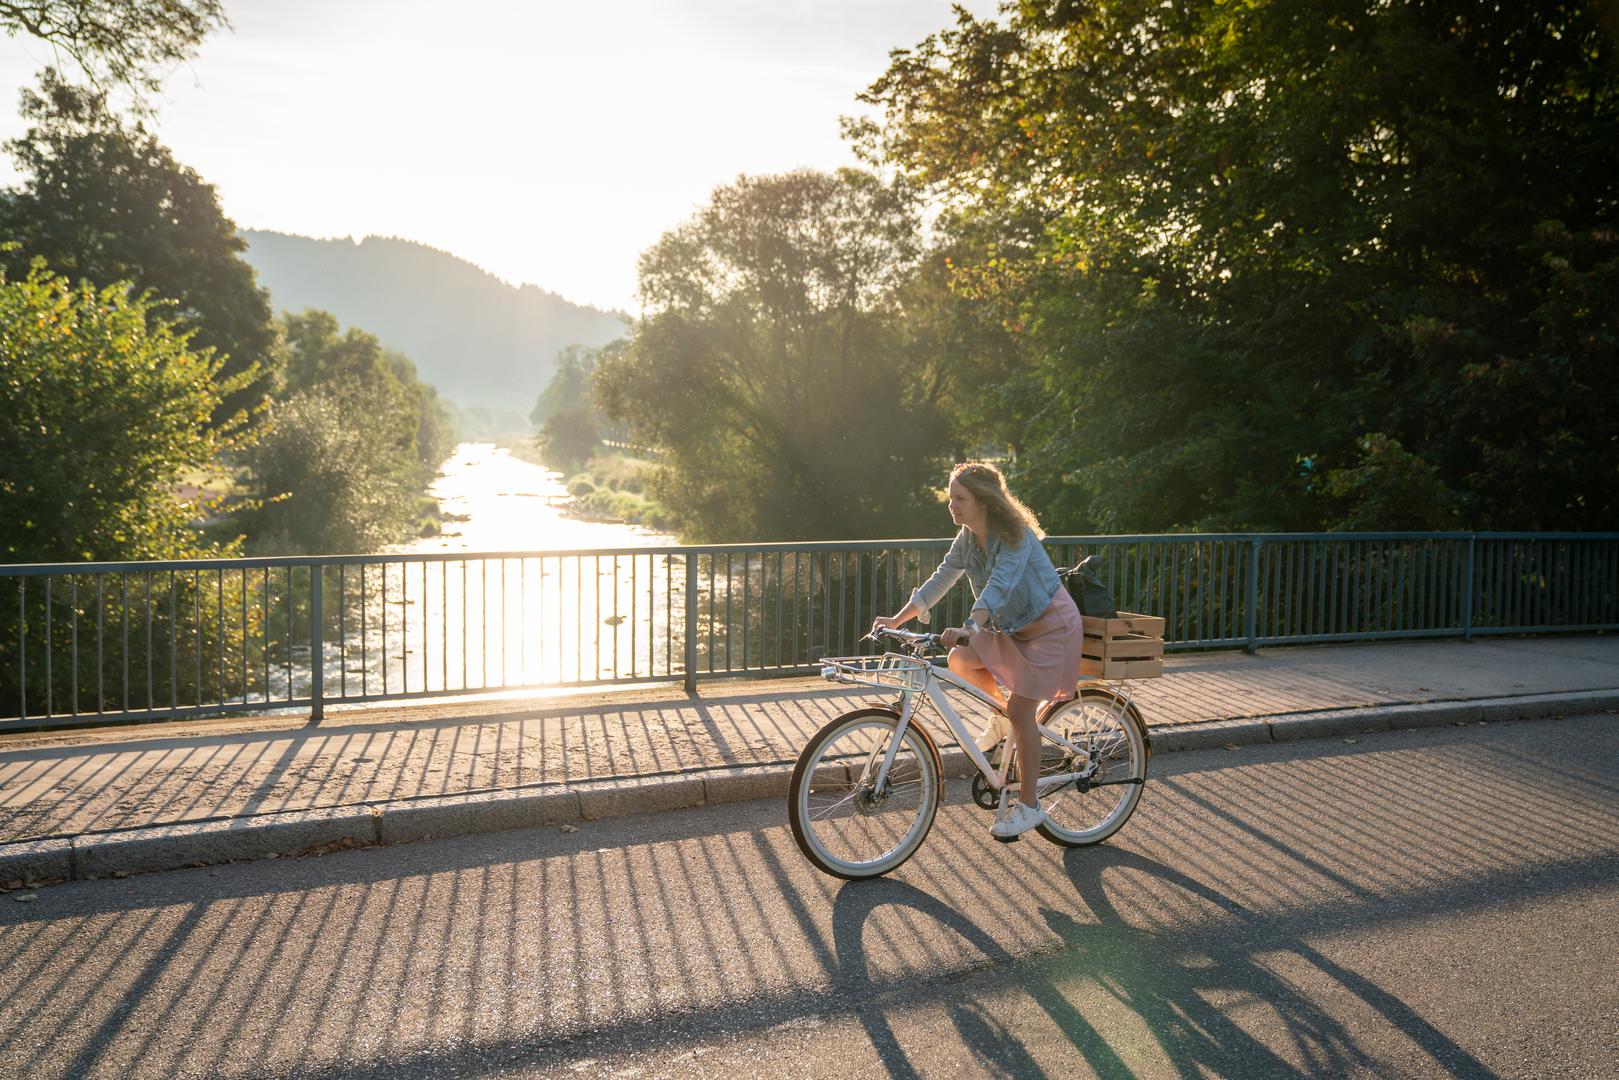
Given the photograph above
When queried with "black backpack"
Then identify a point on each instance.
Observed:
(1084, 583)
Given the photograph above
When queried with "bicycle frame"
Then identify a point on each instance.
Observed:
(993, 775)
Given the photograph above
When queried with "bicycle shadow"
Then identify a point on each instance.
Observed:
(1174, 976)
(1174, 982)
(986, 1038)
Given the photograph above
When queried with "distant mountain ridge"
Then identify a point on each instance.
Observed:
(480, 341)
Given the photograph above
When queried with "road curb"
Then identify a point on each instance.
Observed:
(458, 815)
(299, 832)
(169, 847)
(36, 860)
(1208, 735)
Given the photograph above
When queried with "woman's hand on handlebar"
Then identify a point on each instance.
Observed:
(886, 622)
(954, 636)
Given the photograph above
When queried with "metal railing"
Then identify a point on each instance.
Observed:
(158, 640)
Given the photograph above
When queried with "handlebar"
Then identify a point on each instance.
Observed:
(906, 637)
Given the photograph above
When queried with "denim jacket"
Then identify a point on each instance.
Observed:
(1014, 583)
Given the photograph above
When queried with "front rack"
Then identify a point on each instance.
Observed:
(891, 671)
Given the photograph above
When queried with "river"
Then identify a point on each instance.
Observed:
(496, 502)
(474, 623)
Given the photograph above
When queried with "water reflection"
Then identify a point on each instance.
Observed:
(440, 615)
(497, 502)
(475, 623)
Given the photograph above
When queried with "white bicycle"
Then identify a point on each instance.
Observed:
(867, 786)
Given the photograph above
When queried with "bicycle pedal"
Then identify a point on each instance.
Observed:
(1008, 839)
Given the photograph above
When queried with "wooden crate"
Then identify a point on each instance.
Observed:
(1128, 647)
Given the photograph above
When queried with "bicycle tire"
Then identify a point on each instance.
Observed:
(1084, 814)
(839, 823)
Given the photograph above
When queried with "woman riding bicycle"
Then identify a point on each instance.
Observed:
(1024, 633)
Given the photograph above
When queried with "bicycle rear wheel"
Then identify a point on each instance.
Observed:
(1114, 736)
(842, 823)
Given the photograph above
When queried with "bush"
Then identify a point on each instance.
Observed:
(102, 408)
(568, 439)
(332, 477)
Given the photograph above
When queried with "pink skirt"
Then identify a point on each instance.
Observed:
(1040, 661)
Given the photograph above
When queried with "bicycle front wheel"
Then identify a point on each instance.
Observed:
(843, 822)
(1109, 733)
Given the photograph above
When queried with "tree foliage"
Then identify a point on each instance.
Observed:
(770, 364)
(349, 442)
(435, 423)
(102, 407)
(565, 413)
(1244, 247)
(128, 43)
(333, 482)
(570, 386)
(105, 202)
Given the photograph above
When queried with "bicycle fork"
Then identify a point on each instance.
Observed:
(879, 781)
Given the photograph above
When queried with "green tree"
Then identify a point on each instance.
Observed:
(107, 202)
(569, 386)
(770, 366)
(1231, 238)
(565, 414)
(332, 480)
(349, 442)
(570, 437)
(1392, 488)
(127, 43)
(102, 407)
(435, 422)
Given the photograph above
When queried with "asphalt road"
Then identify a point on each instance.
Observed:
(1425, 903)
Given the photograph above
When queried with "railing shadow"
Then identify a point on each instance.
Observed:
(537, 950)
(133, 782)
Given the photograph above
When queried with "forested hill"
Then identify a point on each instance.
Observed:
(477, 339)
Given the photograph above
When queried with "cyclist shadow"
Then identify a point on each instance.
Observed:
(991, 1043)
(1173, 982)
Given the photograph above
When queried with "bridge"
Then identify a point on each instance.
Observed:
(119, 642)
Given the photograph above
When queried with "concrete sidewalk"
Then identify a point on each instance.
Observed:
(98, 802)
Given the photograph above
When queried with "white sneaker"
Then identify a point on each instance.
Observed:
(994, 732)
(1016, 821)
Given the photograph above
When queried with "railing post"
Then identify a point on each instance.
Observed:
(1468, 588)
(691, 622)
(317, 647)
(22, 647)
(1251, 613)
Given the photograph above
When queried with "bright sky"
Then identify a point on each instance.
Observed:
(548, 142)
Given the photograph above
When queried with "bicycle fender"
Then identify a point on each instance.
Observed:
(1131, 712)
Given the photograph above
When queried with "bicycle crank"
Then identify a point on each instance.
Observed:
(984, 795)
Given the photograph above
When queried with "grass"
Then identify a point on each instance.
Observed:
(611, 487)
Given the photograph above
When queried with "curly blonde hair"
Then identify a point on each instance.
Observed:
(1006, 514)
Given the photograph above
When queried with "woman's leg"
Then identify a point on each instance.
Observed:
(1026, 740)
(964, 662)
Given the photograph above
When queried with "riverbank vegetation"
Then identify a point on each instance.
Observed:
(1190, 267)
(775, 366)
(351, 440)
(166, 412)
(609, 485)
(1197, 266)
(604, 483)
(103, 407)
